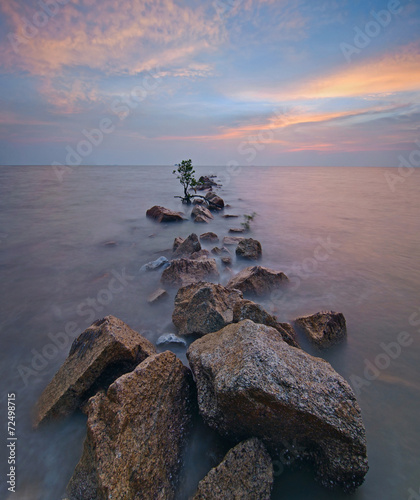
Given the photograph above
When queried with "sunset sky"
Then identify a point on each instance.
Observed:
(268, 82)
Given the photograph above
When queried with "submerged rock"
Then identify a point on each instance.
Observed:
(202, 308)
(246, 472)
(215, 201)
(232, 240)
(227, 261)
(170, 338)
(201, 214)
(157, 295)
(257, 280)
(253, 384)
(155, 264)
(103, 352)
(249, 249)
(201, 254)
(324, 329)
(236, 230)
(136, 433)
(182, 272)
(184, 248)
(220, 251)
(162, 214)
(212, 237)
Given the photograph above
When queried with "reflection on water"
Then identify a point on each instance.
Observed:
(345, 240)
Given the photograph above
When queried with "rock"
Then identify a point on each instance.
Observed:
(202, 308)
(103, 352)
(201, 214)
(211, 237)
(162, 214)
(245, 472)
(205, 182)
(324, 329)
(157, 295)
(183, 272)
(198, 201)
(202, 254)
(249, 249)
(177, 242)
(170, 338)
(215, 202)
(186, 247)
(136, 433)
(257, 280)
(229, 216)
(236, 230)
(246, 309)
(227, 261)
(110, 244)
(253, 384)
(232, 240)
(151, 266)
(220, 251)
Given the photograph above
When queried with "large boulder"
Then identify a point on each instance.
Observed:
(184, 248)
(182, 272)
(162, 214)
(253, 384)
(246, 309)
(202, 308)
(257, 280)
(136, 433)
(249, 249)
(103, 352)
(201, 214)
(245, 472)
(324, 329)
(215, 202)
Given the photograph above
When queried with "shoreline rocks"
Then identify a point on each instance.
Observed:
(249, 249)
(201, 214)
(257, 280)
(324, 329)
(184, 248)
(215, 202)
(182, 272)
(210, 237)
(162, 214)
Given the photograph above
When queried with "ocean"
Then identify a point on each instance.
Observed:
(348, 238)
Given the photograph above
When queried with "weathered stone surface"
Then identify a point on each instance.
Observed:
(324, 328)
(201, 214)
(103, 352)
(205, 182)
(212, 237)
(201, 254)
(227, 261)
(184, 248)
(136, 433)
(249, 249)
(170, 338)
(216, 201)
(220, 251)
(232, 240)
(183, 272)
(253, 384)
(157, 295)
(156, 264)
(236, 230)
(257, 280)
(246, 309)
(246, 472)
(202, 308)
(230, 216)
(162, 214)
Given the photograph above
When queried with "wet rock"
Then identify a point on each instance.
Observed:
(245, 472)
(324, 329)
(177, 241)
(186, 247)
(170, 338)
(257, 280)
(162, 214)
(202, 254)
(215, 202)
(201, 214)
(249, 249)
(230, 216)
(136, 433)
(103, 352)
(253, 384)
(232, 240)
(182, 272)
(211, 237)
(246, 309)
(236, 230)
(227, 261)
(204, 182)
(152, 266)
(202, 308)
(220, 251)
(157, 295)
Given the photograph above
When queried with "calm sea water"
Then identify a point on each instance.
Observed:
(347, 241)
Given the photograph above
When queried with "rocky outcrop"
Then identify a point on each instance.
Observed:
(257, 280)
(157, 296)
(211, 237)
(245, 472)
(184, 248)
(249, 249)
(136, 434)
(162, 214)
(324, 329)
(246, 309)
(182, 272)
(201, 214)
(201, 254)
(215, 202)
(253, 384)
(103, 352)
(202, 308)
(155, 264)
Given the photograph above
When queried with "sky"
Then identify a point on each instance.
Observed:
(223, 82)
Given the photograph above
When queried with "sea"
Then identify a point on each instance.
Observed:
(348, 239)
